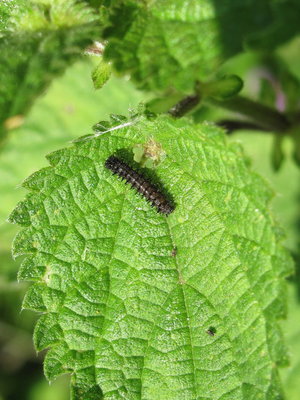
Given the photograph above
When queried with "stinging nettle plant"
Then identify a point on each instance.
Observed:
(135, 304)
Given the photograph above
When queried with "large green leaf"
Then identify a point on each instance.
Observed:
(173, 43)
(123, 311)
(41, 40)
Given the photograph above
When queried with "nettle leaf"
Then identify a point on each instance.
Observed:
(222, 88)
(42, 40)
(169, 43)
(138, 305)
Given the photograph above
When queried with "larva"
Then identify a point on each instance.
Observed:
(140, 183)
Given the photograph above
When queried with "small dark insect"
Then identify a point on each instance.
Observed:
(174, 252)
(211, 331)
(140, 183)
(184, 105)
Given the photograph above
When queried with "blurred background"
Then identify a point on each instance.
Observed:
(66, 111)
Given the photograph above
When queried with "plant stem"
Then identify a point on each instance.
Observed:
(266, 117)
(232, 125)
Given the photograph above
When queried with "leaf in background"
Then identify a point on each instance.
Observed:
(125, 314)
(101, 74)
(42, 40)
(222, 88)
(172, 44)
(285, 26)
(163, 104)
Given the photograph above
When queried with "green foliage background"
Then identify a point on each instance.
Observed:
(71, 106)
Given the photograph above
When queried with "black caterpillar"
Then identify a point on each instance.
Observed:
(140, 183)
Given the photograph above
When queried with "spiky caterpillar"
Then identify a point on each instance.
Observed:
(140, 183)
